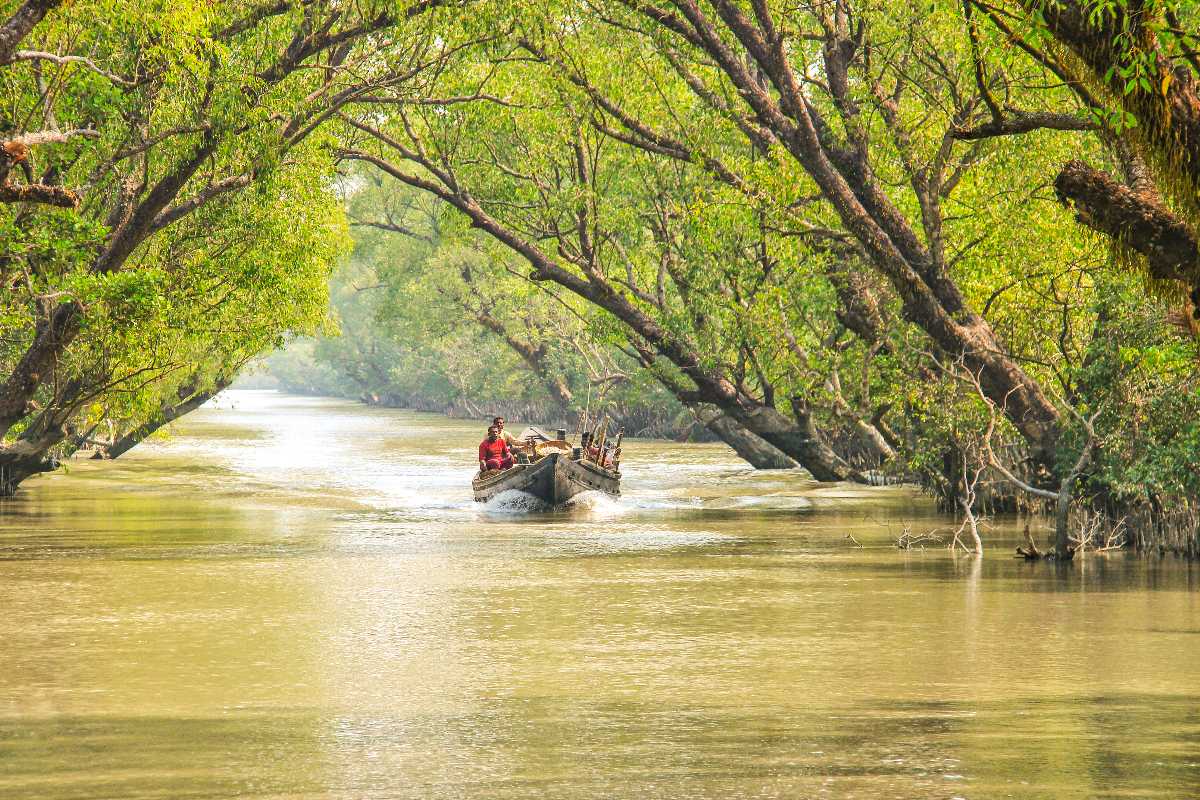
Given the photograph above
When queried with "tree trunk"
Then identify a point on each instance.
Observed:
(756, 451)
(27, 457)
(16, 468)
(534, 357)
(1062, 517)
(1132, 219)
(166, 415)
(873, 439)
(18, 26)
(51, 337)
(858, 309)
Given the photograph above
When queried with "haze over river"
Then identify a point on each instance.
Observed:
(297, 598)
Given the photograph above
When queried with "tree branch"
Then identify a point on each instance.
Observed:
(1135, 220)
(20, 24)
(38, 55)
(1019, 122)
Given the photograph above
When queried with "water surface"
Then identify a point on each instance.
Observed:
(296, 598)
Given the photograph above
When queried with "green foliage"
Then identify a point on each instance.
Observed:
(609, 147)
(253, 230)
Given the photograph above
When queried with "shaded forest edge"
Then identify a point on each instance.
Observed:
(956, 241)
(285, 373)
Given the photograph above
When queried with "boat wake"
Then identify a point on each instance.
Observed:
(513, 501)
(597, 504)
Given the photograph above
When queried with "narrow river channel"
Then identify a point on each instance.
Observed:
(297, 598)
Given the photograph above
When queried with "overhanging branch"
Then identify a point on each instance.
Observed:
(1133, 219)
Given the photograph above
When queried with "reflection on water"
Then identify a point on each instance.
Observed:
(297, 598)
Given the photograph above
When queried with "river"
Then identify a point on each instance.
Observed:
(297, 598)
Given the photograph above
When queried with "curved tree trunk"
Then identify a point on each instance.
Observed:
(18, 26)
(534, 357)
(798, 438)
(14, 470)
(166, 415)
(753, 449)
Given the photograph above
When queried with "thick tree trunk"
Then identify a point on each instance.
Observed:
(753, 449)
(1062, 517)
(812, 443)
(27, 457)
(873, 439)
(929, 297)
(799, 439)
(14, 469)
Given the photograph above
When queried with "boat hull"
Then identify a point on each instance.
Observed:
(554, 479)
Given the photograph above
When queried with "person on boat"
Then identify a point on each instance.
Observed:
(494, 452)
(498, 423)
(520, 447)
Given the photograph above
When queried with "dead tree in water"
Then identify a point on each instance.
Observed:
(1062, 499)
(966, 501)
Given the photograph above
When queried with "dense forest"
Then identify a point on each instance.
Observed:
(952, 242)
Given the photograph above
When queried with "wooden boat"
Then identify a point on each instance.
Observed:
(554, 478)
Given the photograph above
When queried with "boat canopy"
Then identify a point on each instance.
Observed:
(537, 434)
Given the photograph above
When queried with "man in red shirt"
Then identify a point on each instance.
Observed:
(494, 452)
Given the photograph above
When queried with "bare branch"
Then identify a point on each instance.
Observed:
(51, 137)
(38, 55)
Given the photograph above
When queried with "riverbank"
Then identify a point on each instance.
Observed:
(647, 422)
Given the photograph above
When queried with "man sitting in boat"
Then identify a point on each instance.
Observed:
(498, 423)
(524, 443)
(494, 452)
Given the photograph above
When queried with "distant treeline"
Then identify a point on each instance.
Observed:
(441, 382)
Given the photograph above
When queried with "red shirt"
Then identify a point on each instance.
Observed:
(495, 449)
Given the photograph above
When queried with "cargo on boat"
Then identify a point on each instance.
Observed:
(554, 471)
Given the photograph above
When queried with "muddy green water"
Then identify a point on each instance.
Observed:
(296, 598)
